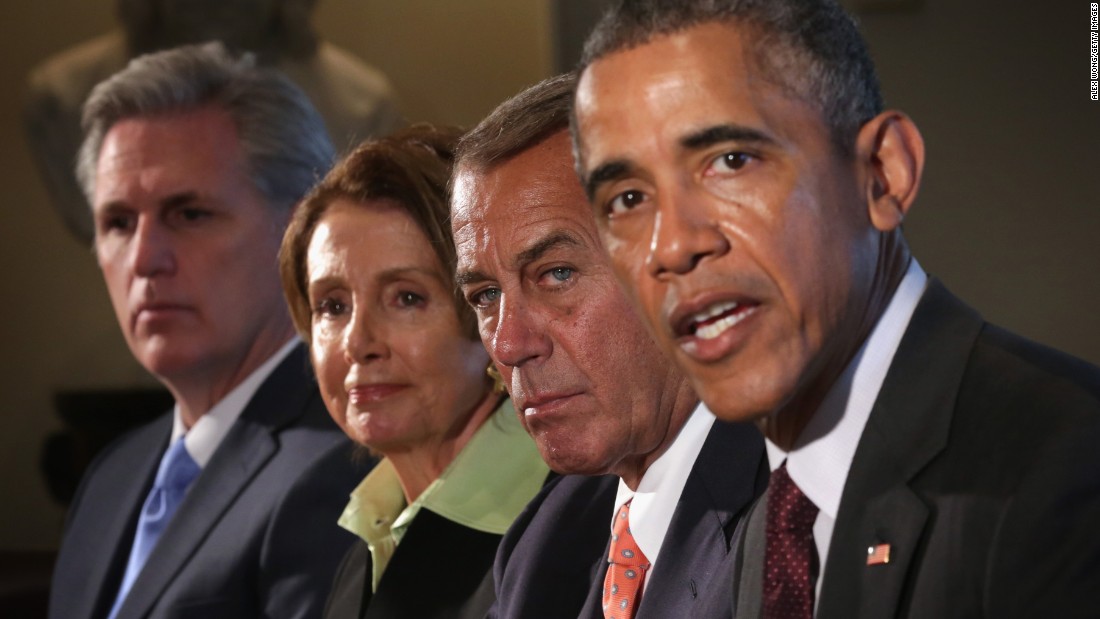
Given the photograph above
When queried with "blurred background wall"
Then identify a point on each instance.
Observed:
(1007, 217)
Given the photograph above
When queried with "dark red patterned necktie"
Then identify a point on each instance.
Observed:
(791, 564)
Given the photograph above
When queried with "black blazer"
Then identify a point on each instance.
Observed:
(980, 467)
(553, 560)
(256, 534)
(440, 570)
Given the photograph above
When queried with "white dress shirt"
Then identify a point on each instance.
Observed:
(819, 461)
(204, 437)
(659, 491)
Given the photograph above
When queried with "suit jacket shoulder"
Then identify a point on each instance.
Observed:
(256, 535)
(979, 468)
(556, 549)
(553, 560)
(103, 512)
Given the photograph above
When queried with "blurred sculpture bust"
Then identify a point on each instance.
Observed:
(355, 100)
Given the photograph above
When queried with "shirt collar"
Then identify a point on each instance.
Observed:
(654, 502)
(204, 437)
(370, 514)
(822, 455)
(474, 490)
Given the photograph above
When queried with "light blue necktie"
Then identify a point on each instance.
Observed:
(177, 470)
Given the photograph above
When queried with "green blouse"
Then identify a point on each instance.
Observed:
(484, 488)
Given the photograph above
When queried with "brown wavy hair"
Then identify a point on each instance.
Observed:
(412, 167)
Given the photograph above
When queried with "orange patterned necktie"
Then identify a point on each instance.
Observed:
(622, 588)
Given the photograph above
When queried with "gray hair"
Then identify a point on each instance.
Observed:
(811, 49)
(283, 138)
(519, 123)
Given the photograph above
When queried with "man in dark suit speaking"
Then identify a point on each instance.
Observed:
(226, 506)
(751, 189)
(592, 388)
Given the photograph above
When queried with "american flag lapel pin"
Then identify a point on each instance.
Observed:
(878, 554)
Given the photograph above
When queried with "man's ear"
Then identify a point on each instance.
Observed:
(891, 151)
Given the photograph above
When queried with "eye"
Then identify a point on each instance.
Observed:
(329, 308)
(625, 201)
(484, 297)
(187, 215)
(406, 298)
(116, 222)
(561, 274)
(558, 278)
(730, 162)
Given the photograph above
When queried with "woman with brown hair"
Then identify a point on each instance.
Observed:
(367, 266)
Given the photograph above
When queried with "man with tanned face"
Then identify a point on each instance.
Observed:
(750, 188)
(592, 388)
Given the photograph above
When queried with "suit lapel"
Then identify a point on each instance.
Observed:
(113, 535)
(728, 474)
(593, 604)
(351, 590)
(907, 428)
(249, 445)
(750, 544)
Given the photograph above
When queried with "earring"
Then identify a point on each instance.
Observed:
(498, 380)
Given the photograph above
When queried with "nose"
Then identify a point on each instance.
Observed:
(363, 338)
(683, 235)
(151, 250)
(518, 338)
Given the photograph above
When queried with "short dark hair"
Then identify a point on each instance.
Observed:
(282, 136)
(810, 48)
(411, 167)
(519, 123)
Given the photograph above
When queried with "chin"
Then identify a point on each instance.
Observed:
(734, 401)
(573, 459)
(369, 431)
(167, 366)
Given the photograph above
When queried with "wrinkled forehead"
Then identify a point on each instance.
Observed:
(497, 232)
(730, 70)
(654, 101)
(165, 154)
(534, 188)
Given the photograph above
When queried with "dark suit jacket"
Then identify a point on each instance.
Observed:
(256, 534)
(553, 560)
(440, 570)
(980, 467)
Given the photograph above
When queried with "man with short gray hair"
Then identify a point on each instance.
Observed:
(192, 161)
(641, 520)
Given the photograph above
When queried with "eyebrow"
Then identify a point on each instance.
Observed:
(398, 273)
(386, 277)
(523, 258)
(534, 252)
(465, 278)
(697, 140)
(724, 133)
(610, 171)
(171, 201)
(179, 199)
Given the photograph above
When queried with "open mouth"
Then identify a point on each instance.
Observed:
(717, 319)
